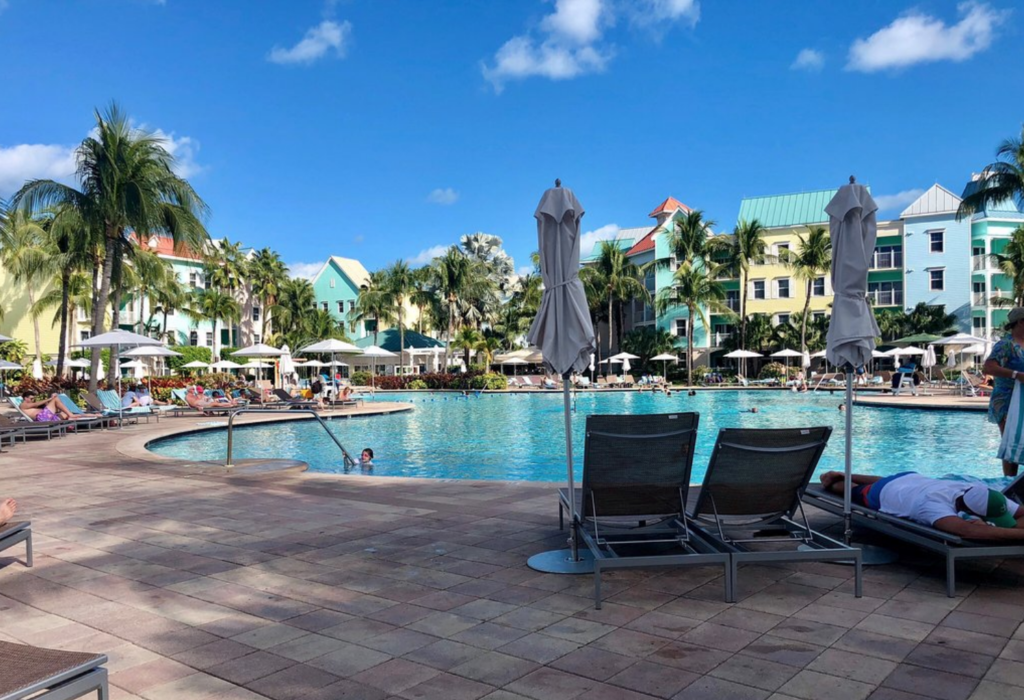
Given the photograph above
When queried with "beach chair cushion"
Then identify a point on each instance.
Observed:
(27, 670)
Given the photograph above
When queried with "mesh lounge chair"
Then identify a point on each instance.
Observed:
(109, 404)
(80, 417)
(13, 533)
(950, 546)
(27, 427)
(631, 506)
(751, 499)
(294, 402)
(50, 674)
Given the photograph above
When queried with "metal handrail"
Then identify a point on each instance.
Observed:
(349, 462)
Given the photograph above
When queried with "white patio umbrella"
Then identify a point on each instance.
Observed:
(563, 332)
(951, 358)
(334, 347)
(929, 360)
(625, 365)
(133, 365)
(852, 329)
(805, 359)
(820, 353)
(625, 356)
(77, 363)
(742, 355)
(151, 351)
(225, 364)
(786, 353)
(315, 363)
(591, 366)
(286, 366)
(960, 339)
(115, 340)
(258, 350)
(196, 364)
(373, 352)
(5, 339)
(909, 350)
(665, 358)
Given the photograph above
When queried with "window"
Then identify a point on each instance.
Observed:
(722, 331)
(84, 335)
(978, 323)
(935, 241)
(681, 327)
(886, 293)
(351, 306)
(193, 279)
(782, 319)
(332, 283)
(324, 306)
(937, 280)
(732, 299)
(255, 313)
(782, 287)
(818, 287)
(782, 251)
(256, 338)
(209, 339)
(673, 264)
(193, 338)
(817, 315)
(758, 289)
(887, 257)
(341, 307)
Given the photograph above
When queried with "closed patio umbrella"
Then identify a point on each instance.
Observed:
(852, 330)
(563, 332)
(929, 360)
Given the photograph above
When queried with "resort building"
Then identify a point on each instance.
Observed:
(336, 286)
(17, 321)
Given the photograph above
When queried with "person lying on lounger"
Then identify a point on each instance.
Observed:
(199, 401)
(967, 509)
(8, 506)
(45, 411)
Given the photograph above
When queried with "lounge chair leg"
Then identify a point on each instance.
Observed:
(28, 550)
(950, 576)
(103, 692)
(561, 516)
(597, 586)
(858, 568)
(730, 580)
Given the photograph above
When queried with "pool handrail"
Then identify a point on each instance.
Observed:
(349, 462)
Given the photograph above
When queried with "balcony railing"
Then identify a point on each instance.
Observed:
(733, 305)
(888, 298)
(981, 263)
(988, 298)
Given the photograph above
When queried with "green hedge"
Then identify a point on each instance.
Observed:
(189, 353)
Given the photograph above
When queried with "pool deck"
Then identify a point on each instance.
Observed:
(935, 403)
(206, 584)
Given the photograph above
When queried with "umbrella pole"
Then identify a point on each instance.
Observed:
(573, 539)
(848, 468)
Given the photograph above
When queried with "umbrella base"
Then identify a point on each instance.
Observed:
(559, 561)
(870, 555)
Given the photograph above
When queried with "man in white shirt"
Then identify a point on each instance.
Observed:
(937, 502)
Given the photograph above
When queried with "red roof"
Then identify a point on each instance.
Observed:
(164, 245)
(645, 243)
(670, 205)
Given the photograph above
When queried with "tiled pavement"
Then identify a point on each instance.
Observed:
(201, 586)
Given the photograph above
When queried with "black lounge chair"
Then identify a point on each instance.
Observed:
(26, 429)
(750, 503)
(50, 674)
(631, 506)
(950, 546)
(15, 532)
(294, 402)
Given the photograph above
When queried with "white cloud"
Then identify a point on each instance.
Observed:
(524, 270)
(318, 42)
(809, 60)
(443, 196)
(521, 58)
(305, 270)
(30, 161)
(184, 150)
(589, 239)
(578, 20)
(900, 200)
(920, 38)
(425, 257)
(661, 12)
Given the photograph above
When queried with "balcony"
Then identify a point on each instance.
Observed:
(986, 298)
(886, 298)
(981, 263)
(733, 305)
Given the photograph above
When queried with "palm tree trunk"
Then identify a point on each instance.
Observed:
(263, 320)
(689, 345)
(743, 315)
(803, 326)
(65, 277)
(99, 308)
(611, 324)
(216, 341)
(401, 337)
(164, 334)
(35, 319)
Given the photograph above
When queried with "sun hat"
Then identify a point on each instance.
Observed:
(990, 505)
(1016, 314)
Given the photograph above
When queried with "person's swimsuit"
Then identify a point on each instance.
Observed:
(870, 495)
(45, 415)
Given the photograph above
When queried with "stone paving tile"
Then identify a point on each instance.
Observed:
(653, 679)
(592, 662)
(443, 654)
(720, 637)
(709, 687)
(758, 673)
(295, 682)
(938, 684)
(856, 667)
(813, 685)
(540, 648)
(395, 676)
(445, 686)
(550, 683)
(494, 668)
(942, 658)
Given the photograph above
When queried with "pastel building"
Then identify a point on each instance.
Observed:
(336, 287)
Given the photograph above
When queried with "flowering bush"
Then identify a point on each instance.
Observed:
(417, 384)
(772, 370)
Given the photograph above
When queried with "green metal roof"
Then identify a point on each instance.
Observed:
(389, 340)
(788, 209)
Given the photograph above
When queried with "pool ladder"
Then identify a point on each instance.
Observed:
(349, 462)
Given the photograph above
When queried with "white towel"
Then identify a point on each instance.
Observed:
(1011, 448)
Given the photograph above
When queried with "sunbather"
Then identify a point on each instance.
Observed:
(199, 401)
(46, 411)
(8, 507)
(938, 503)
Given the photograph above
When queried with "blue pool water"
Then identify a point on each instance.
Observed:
(521, 436)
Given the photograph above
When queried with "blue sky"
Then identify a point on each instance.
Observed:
(380, 130)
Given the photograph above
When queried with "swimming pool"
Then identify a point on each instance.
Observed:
(521, 436)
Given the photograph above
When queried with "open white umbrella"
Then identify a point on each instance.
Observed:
(115, 340)
(665, 358)
(625, 356)
(258, 350)
(960, 339)
(151, 351)
(133, 365)
(334, 347)
(852, 329)
(786, 353)
(742, 354)
(5, 339)
(563, 332)
(373, 352)
(196, 364)
(225, 364)
(909, 350)
(515, 362)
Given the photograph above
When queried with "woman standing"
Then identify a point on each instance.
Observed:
(1006, 365)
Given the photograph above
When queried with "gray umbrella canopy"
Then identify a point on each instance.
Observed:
(563, 332)
(562, 329)
(852, 226)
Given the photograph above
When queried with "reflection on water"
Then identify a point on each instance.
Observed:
(521, 436)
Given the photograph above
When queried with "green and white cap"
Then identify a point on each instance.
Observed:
(990, 505)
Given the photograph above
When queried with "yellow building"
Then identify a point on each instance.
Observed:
(17, 319)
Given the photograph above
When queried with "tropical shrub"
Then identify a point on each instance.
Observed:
(14, 351)
(189, 353)
(360, 378)
(417, 384)
(772, 370)
(490, 381)
(700, 372)
(225, 354)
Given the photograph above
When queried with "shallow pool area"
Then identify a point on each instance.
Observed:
(521, 436)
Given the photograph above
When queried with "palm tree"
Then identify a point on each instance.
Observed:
(748, 248)
(226, 269)
(127, 184)
(149, 272)
(268, 274)
(423, 296)
(467, 340)
(169, 297)
(455, 278)
(621, 280)
(696, 288)
(647, 342)
(690, 238)
(21, 252)
(1011, 263)
(375, 303)
(487, 346)
(216, 306)
(813, 259)
(400, 280)
(1000, 181)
